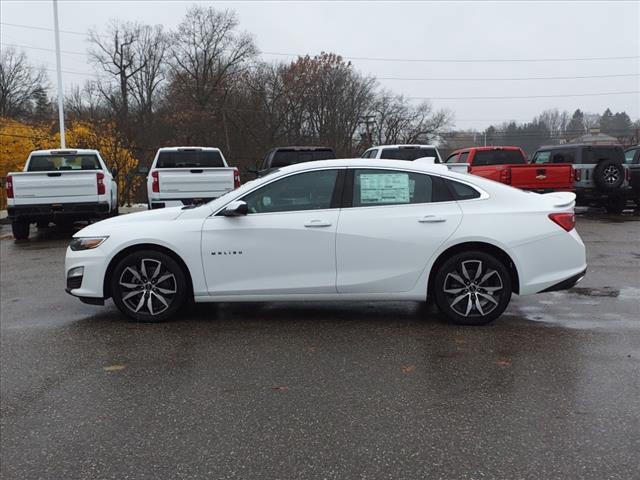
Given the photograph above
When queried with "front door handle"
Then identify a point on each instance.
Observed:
(317, 224)
(432, 219)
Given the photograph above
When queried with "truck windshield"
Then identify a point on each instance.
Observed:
(189, 159)
(409, 154)
(47, 163)
(282, 158)
(498, 157)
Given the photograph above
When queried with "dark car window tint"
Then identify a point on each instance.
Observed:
(461, 191)
(629, 154)
(43, 163)
(393, 187)
(498, 157)
(283, 158)
(563, 156)
(464, 157)
(189, 159)
(542, 157)
(304, 191)
(452, 158)
(597, 154)
(409, 154)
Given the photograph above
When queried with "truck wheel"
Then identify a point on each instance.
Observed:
(608, 175)
(20, 230)
(148, 286)
(615, 205)
(472, 288)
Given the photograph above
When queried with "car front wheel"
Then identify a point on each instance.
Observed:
(472, 288)
(148, 286)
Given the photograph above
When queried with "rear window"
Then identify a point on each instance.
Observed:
(409, 154)
(597, 154)
(498, 157)
(189, 158)
(283, 158)
(44, 163)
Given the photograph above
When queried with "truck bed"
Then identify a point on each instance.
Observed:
(548, 177)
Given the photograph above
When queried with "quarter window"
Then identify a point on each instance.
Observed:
(393, 187)
(629, 154)
(461, 191)
(304, 191)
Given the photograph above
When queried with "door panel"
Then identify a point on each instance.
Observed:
(385, 248)
(273, 253)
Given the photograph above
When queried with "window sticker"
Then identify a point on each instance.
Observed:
(376, 188)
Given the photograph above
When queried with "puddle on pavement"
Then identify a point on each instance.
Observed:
(595, 292)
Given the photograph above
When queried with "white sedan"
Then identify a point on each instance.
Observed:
(360, 229)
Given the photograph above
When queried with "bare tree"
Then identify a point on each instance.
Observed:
(149, 72)
(21, 85)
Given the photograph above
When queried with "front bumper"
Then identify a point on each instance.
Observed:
(90, 287)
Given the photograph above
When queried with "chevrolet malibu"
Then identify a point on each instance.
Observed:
(361, 229)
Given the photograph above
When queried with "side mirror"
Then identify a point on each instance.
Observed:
(114, 172)
(236, 208)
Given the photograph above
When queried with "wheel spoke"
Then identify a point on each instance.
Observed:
(143, 269)
(166, 291)
(134, 272)
(140, 303)
(488, 297)
(487, 276)
(130, 285)
(157, 271)
(457, 299)
(492, 289)
(479, 306)
(453, 291)
(479, 271)
(469, 306)
(132, 294)
(456, 277)
(161, 299)
(166, 276)
(465, 273)
(150, 305)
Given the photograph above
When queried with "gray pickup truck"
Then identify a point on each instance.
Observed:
(601, 177)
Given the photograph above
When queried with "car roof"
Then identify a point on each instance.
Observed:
(187, 148)
(487, 148)
(404, 145)
(366, 163)
(578, 145)
(305, 147)
(63, 151)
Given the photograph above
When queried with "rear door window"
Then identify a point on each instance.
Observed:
(393, 187)
(452, 158)
(189, 159)
(464, 157)
(44, 163)
(498, 157)
(563, 156)
(630, 154)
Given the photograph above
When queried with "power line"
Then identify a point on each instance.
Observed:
(68, 52)
(381, 59)
(528, 96)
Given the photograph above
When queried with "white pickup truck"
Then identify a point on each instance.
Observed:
(60, 186)
(189, 175)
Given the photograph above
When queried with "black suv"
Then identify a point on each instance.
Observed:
(283, 156)
(601, 177)
(632, 158)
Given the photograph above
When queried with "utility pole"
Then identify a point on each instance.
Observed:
(59, 71)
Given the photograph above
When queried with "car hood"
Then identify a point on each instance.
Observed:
(102, 228)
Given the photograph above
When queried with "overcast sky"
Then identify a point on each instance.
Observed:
(402, 30)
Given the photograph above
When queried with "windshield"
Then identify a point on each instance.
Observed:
(498, 157)
(47, 163)
(407, 153)
(190, 159)
(282, 158)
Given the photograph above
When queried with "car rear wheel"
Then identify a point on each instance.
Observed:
(148, 286)
(472, 288)
(20, 230)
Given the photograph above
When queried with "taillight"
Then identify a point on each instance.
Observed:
(100, 182)
(577, 175)
(236, 178)
(9, 186)
(505, 176)
(155, 182)
(565, 220)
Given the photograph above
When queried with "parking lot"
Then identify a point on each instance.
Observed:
(317, 390)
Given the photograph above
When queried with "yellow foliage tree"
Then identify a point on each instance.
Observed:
(18, 139)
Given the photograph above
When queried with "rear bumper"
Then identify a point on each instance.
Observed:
(80, 211)
(565, 284)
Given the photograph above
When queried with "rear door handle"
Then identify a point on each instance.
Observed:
(432, 219)
(317, 224)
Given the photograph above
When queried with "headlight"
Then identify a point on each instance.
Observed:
(86, 243)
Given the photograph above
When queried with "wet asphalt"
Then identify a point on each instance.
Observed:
(551, 390)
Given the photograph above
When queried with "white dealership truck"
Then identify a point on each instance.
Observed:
(189, 175)
(60, 186)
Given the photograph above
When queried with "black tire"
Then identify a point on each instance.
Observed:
(615, 205)
(608, 175)
(468, 297)
(43, 224)
(172, 290)
(20, 230)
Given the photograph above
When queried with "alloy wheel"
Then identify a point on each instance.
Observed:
(148, 287)
(473, 289)
(611, 174)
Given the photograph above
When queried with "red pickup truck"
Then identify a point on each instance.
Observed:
(509, 165)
